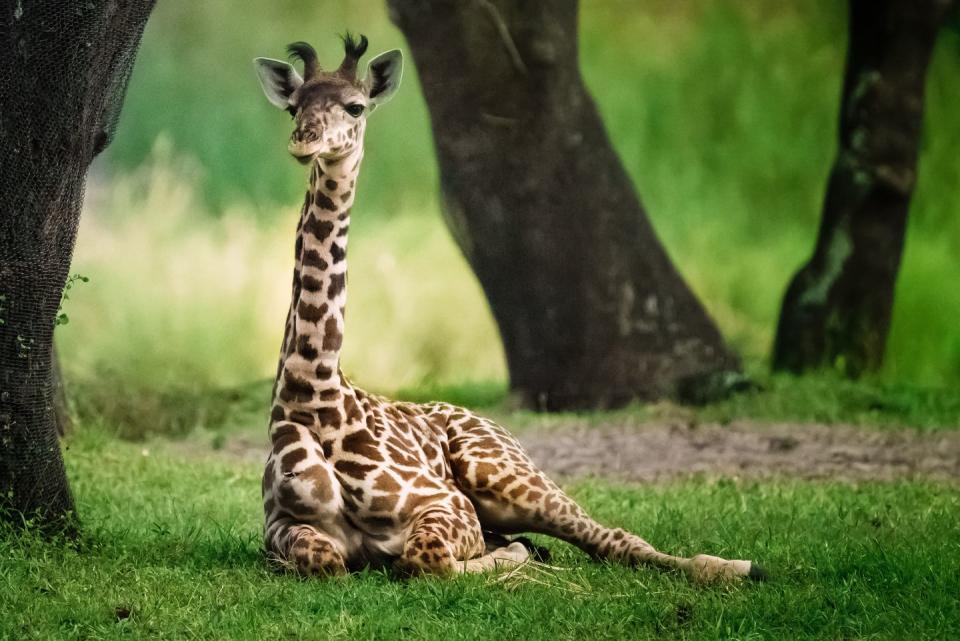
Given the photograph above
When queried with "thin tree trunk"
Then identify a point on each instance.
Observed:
(591, 310)
(836, 312)
(62, 84)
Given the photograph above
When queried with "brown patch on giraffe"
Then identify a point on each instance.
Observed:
(385, 503)
(283, 436)
(296, 388)
(426, 482)
(337, 283)
(289, 500)
(352, 408)
(312, 258)
(329, 394)
(483, 472)
(502, 484)
(267, 476)
(535, 480)
(354, 469)
(332, 338)
(402, 458)
(362, 444)
(343, 231)
(311, 313)
(385, 482)
(298, 244)
(331, 184)
(278, 413)
(302, 418)
(290, 459)
(323, 201)
(329, 416)
(337, 252)
(318, 228)
(323, 372)
(322, 483)
(355, 492)
(305, 349)
(311, 284)
(344, 215)
(346, 196)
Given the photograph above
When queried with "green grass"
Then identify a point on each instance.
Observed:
(220, 412)
(174, 539)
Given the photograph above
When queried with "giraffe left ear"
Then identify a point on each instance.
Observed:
(383, 76)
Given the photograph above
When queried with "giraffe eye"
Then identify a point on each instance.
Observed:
(354, 109)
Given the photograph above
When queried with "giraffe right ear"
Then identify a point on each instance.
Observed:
(278, 79)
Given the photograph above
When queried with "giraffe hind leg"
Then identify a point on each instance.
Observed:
(494, 541)
(511, 495)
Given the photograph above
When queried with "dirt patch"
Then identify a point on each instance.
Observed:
(654, 452)
(664, 450)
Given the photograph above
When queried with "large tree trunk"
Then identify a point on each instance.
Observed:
(61, 87)
(837, 309)
(591, 311)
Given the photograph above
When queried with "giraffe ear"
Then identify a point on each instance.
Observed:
(278, 79)
(383, 76)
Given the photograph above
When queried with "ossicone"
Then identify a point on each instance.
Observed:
(353, 49)
(307, 55)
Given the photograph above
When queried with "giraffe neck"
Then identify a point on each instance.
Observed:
(309, 375)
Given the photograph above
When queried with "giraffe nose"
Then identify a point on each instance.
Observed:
(305, 136)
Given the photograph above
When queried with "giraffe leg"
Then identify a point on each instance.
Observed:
(445, 541)
(511, 495)
(303, 549)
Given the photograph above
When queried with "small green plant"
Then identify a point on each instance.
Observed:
(62, 318)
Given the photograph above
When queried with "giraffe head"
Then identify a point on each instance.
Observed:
(329, 108)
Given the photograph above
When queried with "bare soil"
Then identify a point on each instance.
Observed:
(664, 450)
(655, 452)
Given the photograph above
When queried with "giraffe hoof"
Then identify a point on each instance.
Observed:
(757, 573)
(538, 552)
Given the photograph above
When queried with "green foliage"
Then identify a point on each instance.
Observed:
(724, 114)
(62, 318)
(176, 554)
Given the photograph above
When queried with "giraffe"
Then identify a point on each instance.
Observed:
(354, 479)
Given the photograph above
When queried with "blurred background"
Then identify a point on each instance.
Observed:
(724, 113)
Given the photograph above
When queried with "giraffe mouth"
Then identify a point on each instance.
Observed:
(304, 159)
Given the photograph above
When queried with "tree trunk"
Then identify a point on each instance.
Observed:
(61, 406)
(65, 70)
(591, 311)
(837, 309)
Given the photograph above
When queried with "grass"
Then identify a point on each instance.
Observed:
(173, 540)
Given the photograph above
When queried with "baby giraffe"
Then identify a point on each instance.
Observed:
(352, 478)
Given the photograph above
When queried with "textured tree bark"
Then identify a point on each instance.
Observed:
(591, 310)
(61, 406)
(61, 88)
(836, 312)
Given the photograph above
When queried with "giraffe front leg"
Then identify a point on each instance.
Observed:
(303, 549)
